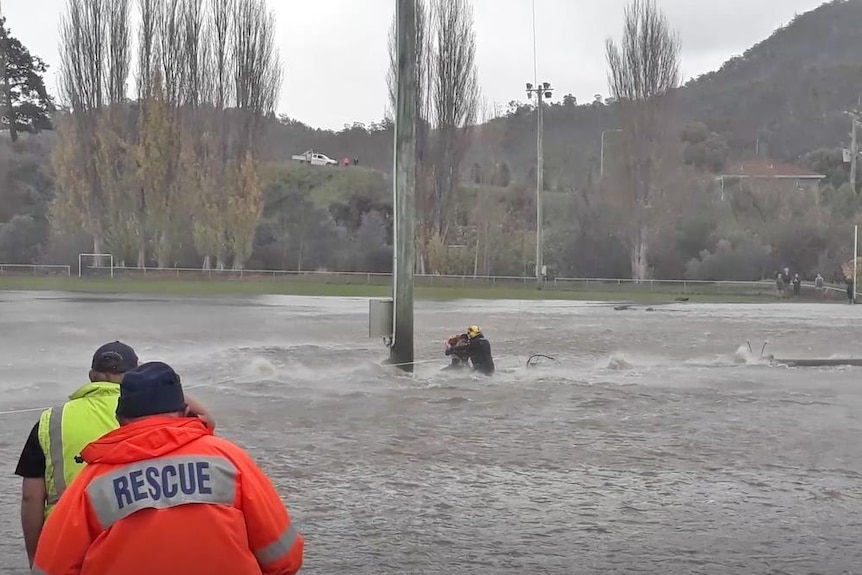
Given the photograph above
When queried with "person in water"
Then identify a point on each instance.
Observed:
(460, 359)
(477, 349)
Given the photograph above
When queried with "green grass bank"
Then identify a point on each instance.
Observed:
(306, 287)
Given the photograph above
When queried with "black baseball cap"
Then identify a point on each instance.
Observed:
(115, 357)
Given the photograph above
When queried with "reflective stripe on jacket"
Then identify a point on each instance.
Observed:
(66, 429)
(163, 495)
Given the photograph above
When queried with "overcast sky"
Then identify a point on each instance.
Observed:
(335, 59)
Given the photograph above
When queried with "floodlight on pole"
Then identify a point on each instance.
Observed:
(543, 91)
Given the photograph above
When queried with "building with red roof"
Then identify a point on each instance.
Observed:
(756, 171)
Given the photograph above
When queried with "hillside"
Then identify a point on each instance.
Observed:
(789, 92)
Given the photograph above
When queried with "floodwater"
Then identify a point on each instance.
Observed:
(656, 444)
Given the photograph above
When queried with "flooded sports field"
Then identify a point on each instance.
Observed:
(657, 443)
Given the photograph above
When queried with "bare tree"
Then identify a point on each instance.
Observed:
(172, 51)
(258, 78)
(194, 110)
(149, 12)
(208, 76)
(423, 63)
(119, 42)
(149, 93)
(643, 72)
(115, 137)
(455, 97)
(210, 203)
(80, 199)
(83, 31)
(257, 69)
(165, 143)
(221, 52)
(447, 102)
(195, 51)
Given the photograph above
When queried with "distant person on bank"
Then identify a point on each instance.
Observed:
(161, 495)
(49, 461)
(779, 284)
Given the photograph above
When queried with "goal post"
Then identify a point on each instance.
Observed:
(101, 262)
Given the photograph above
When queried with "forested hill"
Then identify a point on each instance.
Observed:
(788, 92)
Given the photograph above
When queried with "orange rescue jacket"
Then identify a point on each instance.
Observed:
(165, 496)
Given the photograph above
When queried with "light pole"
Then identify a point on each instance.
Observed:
(602, 161)
(854, 148)
(543, 91)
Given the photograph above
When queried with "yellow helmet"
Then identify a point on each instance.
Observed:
(473, 331)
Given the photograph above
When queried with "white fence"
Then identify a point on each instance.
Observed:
(38, 270)
(681, 287)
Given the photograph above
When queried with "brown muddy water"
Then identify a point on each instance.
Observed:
(655, 444)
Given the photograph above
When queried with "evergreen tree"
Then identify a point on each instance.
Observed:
(24, 102)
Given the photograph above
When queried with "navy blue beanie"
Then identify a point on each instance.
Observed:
(150, 389)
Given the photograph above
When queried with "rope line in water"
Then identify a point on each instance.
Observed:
(420, 362)
(14, 411)
(35, 409)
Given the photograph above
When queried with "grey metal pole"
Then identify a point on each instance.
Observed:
(404, 248)
(855, 258)
(542, 90)
(540, 184)
(854, 150)
(854, 146)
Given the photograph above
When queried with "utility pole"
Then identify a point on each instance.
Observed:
(854, 151)
(543, 91)
(404, 190)
(854, 148)
(855, 259)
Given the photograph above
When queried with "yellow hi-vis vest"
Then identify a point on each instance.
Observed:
(66, 429)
